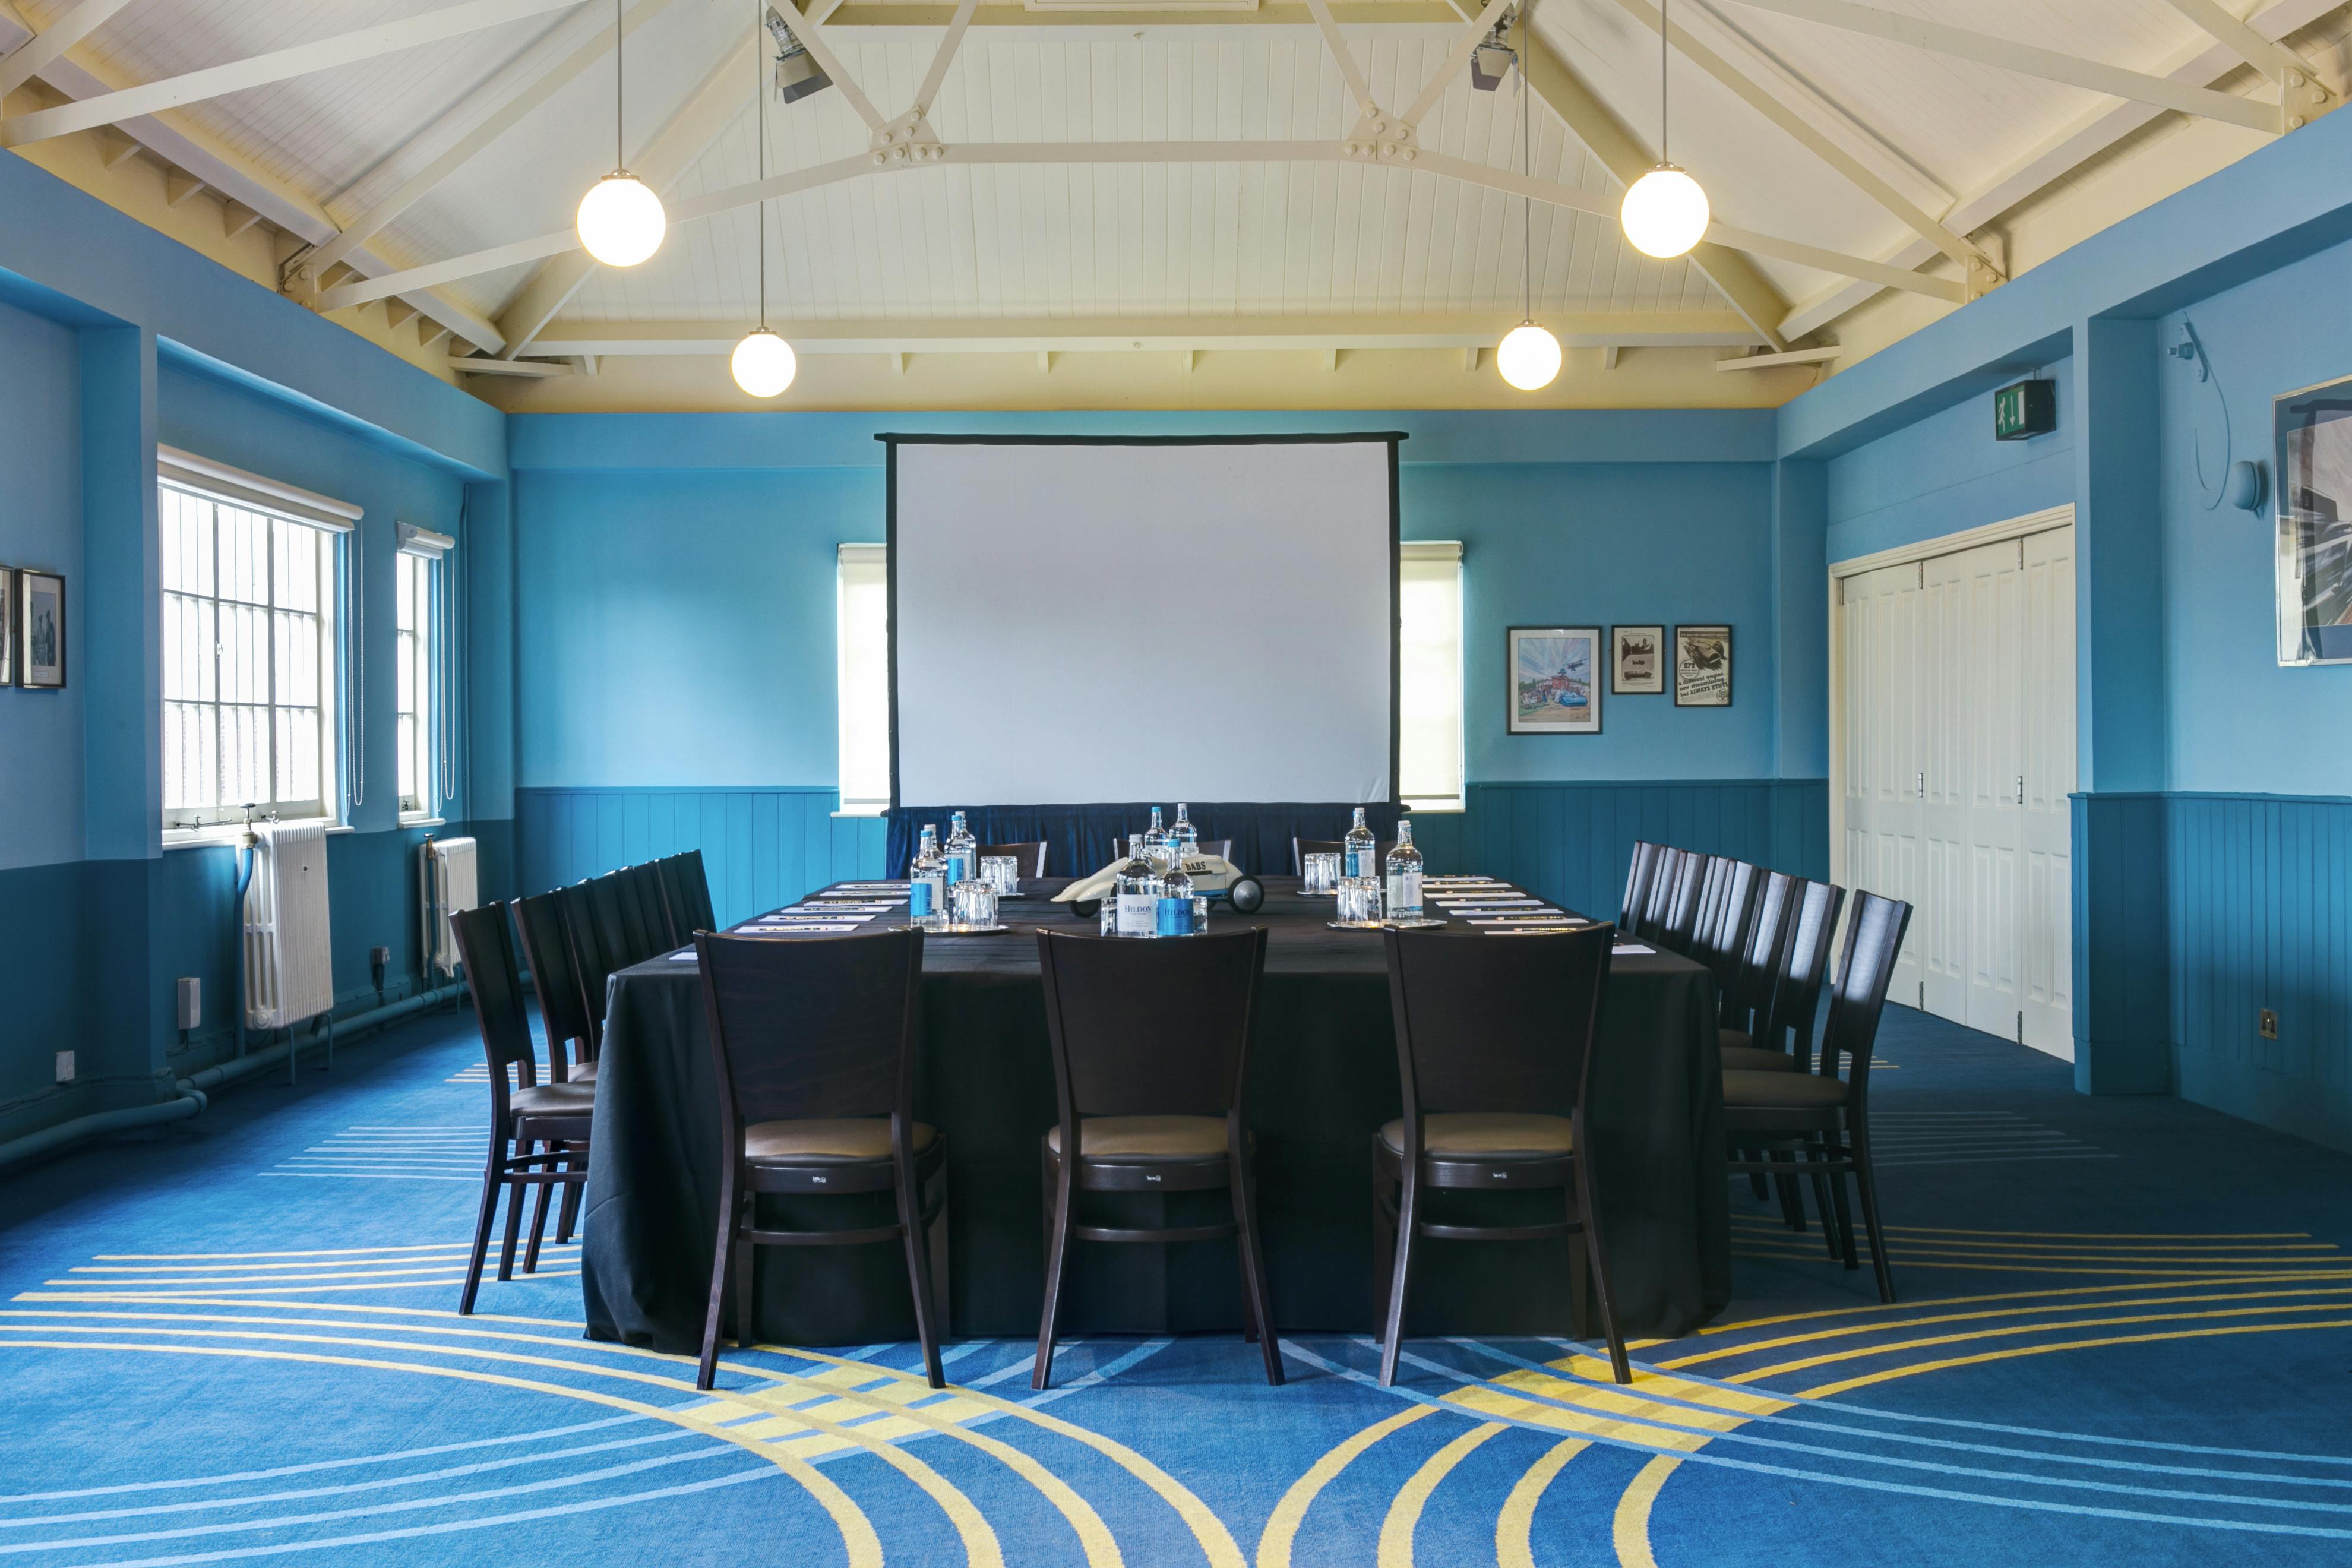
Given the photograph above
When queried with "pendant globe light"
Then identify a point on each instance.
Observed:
(763, 363)
(621, 221)
(1528, 356)
(1665, 211)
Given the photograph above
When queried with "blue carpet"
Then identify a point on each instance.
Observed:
(2123, 1338)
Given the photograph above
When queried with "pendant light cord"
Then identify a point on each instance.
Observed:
(760, 91)
(1662, 83)
(620, 144)
(1526, 167)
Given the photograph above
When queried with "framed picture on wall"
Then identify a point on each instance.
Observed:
(41, 623)
(1637, 661)
(1702, 666)
(1555, 675)
(8, 627)
(2314, 463)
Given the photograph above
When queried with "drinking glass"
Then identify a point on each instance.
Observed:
(1359, 901)
(1001, 872)
(973, 903)
(1322, 873)
(1200, 915)
(1110, 915)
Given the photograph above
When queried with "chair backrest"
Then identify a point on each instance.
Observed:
(591, 962)
(1747, 998)
(1682, 908)
(1662, 883)
(1796, 991)
(672, 892)
(1711, 891)
(644, 883)
(1722, 942)
(695, 884)
(1639, 874)
(617, 925)
(1494, 1025)
(562, 1004)
(1150, 1028)
(486, 944)
(1300, 848)
(1874, 941)
(1031, 856)
(812, 1026)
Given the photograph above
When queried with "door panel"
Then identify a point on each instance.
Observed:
(1948, 676)
(2046, 819)
(1995, 782)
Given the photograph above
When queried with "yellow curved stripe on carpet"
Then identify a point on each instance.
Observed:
(1630, 1530)
(857, 1535)
(1216, 1542)
(1873, 1309)
(1404, 1512)
(1516, 1524)
(1282, 1525)
(1827, 1389)
(2141, 1272)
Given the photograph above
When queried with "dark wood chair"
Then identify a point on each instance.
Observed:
(695, 883)
(1640, 872)
(1821, 1117)
(592, 964)
(1031, 856)
(618, 926)
(538, 1133)
(663, 932)
(1683, 901)
(1660, 903)
(813, 1043)
(1494, 1049)
(1150, 1044)
(1300, 848)
(675, 899)
(563, 1018)
(1722, 943)
(1778, 1035)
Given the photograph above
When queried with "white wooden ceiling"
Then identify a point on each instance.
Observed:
(1212, 242)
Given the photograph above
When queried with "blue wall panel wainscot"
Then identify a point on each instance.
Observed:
(761, 847)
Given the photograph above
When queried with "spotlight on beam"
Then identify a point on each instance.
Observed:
(797, 75)
(1493, 60)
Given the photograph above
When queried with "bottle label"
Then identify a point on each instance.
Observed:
(1354, 862)
(954, 872)
(923, 898)
(1175, 917)
(1404, 893)
(1139, 914)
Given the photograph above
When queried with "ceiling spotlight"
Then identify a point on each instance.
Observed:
(1493, 58)
(620, 220)
(1528, 357)
(763, 363)
(1665, 212)
(797, 75)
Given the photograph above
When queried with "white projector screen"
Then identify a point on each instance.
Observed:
(1086, 621)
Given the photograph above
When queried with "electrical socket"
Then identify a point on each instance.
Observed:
(65, 1066)
(2267, 1025)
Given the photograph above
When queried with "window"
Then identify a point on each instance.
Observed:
(420, 705)
(863, 619)
(1429, 676)
(250, 647)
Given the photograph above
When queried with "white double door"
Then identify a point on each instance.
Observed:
(1956, 724)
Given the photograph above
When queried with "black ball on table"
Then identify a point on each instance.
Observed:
(1247, 895)
(1085, 908)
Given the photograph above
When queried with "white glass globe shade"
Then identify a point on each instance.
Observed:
(764, 363)
(1664, 212)
(1528, 357)
(621, 220)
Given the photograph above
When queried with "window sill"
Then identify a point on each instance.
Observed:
(874, 813)
(419, 819)
(225, 834)
(1455, 808)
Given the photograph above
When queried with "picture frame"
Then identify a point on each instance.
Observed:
(1637, 661)
(7, 626)
(40, 617)
(1703, 666)
(2312, 437)
(1552, 680)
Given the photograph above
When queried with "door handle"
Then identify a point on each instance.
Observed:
(2021, 789)
(1919, 789)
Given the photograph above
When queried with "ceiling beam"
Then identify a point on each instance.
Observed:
(1774, 362)
(1604, 136)
(1272, 13)
(2089, 136)
(933, 79)
(195, 87)
(170, 138)
(52, 42)
(1815, 140)
(811, 33)
(483, 115)
(1154, 334)
(2268, 56)
(2029, 59)
(1344, 55)
(661, 162)
(1457, 58)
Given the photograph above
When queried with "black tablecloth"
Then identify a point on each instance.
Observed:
(1322, 1080)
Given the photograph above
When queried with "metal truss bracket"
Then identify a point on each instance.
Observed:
(2302, 98)
(1383, 137)
(907, 140)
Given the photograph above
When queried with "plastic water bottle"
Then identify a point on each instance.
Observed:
(964, 851)
(1404, 876)
(1174, 915)
(1154, 843)
(1138, 890)
(1184, 839)
(927, 888)
(1357, 850)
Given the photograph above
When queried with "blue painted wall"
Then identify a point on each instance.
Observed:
(40, 526)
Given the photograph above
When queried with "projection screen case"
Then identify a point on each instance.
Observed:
(1090, 620)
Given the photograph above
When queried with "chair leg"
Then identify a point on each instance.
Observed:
(747, 1282)
(1844, 1220)
(1401, 1277)
(918, 1272)
(1756, 1188)
(514, 1228)
(706, 1372)
(935, 1242)
(538, 1212)
(1057, 1255)
(568, 1216)
(1793, 1207)
(1383, 1241)
(489, 1207)
(1866, 1183)
(1253, 1291)
(1618, 1365)
(1815, 1158)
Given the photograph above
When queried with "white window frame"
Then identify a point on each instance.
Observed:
(862, 676)
(184, 477)
(422, 658)
(1431, 698)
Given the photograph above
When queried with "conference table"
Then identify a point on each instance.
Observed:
(1322, 1080)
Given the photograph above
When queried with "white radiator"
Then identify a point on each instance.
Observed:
(289, 949)
(446, 869)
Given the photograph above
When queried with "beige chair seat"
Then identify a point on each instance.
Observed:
(1145, 1137)
(584, 1071)
(1485, 1135)
(1755, 1059)
(1782, 1092)
(554, 1099)
(826, 1140)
